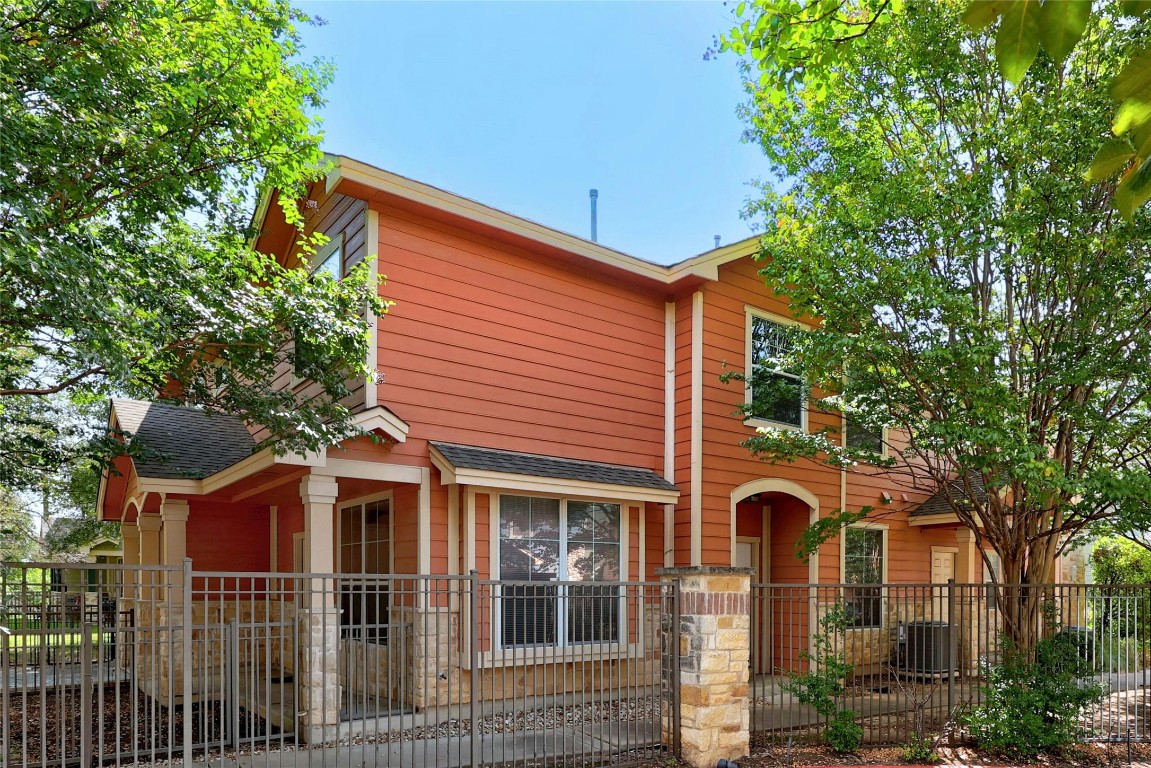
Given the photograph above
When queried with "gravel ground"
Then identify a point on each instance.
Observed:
(45, 730)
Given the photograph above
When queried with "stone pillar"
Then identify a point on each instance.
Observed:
(714, 644)
(318, 670)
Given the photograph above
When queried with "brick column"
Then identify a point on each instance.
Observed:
(318, 670)
(714, 645)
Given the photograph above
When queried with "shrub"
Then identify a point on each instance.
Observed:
(1032, 702)
(822, 685)
(920, 750)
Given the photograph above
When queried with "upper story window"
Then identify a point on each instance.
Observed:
(860, 437)
(776, 394)
(548, 540)
(863, 565)
(365, 548)
(330, 258)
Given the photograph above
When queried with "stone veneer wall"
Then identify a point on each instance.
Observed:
(714, 646)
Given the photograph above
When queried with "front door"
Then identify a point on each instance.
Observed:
(942, 571)
(745, 555)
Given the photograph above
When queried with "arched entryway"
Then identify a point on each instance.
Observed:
(767, 518)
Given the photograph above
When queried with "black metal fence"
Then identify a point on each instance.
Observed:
(161, 663)
(919, 653)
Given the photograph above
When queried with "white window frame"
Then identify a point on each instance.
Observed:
(321, 255)
(561, 648)
(750, 313)
(885, 538)
(358, 501)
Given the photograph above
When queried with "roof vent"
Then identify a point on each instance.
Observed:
(594, 195)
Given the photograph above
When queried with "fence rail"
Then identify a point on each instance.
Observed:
(145, 664)
(919, 653)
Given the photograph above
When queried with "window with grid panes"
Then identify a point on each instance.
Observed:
(365, 550)
(776, 393)
(546, 540)
(863, 566)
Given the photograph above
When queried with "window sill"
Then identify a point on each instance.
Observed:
(538, 654)
(756, 423)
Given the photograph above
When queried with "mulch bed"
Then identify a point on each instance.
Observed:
(1079, 756)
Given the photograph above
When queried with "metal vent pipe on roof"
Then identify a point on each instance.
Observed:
(593, 194)
(717, 241)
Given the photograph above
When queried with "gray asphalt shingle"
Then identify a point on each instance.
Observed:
(939, 504)
(490, 459)
(188, 442)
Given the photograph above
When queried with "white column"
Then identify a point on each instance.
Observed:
(130, 535)
(318, 615)
(174, 534)
(318, 494)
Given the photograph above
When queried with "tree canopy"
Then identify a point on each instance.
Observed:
(795, 44)
(136, 136)
(969, 292)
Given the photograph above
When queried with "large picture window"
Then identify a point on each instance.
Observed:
(863, 566)
(776, 393)
(544, 542)
(860, 437)
(365, 550)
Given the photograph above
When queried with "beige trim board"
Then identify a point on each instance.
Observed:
(705, 265)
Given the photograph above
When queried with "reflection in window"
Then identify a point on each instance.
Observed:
(365, 549)
(863, 565)
(776, 392)
(544, 540)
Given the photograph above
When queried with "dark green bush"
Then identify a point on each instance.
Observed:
(1032, 702)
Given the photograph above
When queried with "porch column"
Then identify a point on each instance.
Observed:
(971, 601)
(130, 535)
(968, 563)
(174, 533)
(319, 615)
(713, 641)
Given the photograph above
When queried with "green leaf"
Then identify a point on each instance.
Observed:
(1134, 189)
(1131, 114)
(981, 14)
(1110, 158)
(1061, 25)
(1017, 41)
(1135, 78)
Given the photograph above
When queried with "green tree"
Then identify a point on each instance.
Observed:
(797, 43)
(17, 533)
(992, 314)
(134, 138)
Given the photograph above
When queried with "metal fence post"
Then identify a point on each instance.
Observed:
(675, 677)
(86, 630)
(474, 661)
(952, 646)
(186, 660)
(234, 680)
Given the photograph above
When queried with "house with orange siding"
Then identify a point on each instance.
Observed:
(546, 408)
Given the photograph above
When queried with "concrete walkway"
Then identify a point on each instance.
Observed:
(456, 752)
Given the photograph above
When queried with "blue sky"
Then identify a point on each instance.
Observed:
(526, 105)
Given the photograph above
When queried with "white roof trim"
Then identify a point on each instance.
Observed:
(382, 419)
(705, 265)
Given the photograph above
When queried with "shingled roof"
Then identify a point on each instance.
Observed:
(939, 502)
(182, 442)
(490, 459)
